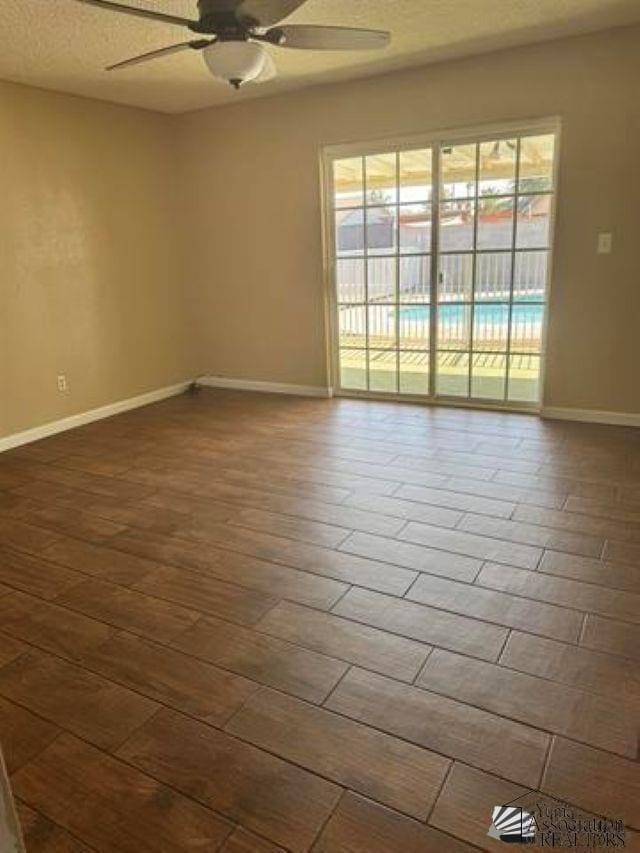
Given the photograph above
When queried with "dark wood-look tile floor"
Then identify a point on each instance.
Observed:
(248, 623)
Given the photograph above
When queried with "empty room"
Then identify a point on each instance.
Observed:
(319, 426)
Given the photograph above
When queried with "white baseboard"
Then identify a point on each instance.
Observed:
(29, 435)
(265, 387)
(17, 439)
(592, 416)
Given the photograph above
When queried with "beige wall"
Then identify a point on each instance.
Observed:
(89, 272)
(253, 207)
(138, 250)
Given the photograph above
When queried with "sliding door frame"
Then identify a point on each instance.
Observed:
(433, 140)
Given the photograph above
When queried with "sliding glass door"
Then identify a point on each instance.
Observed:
(439, 261)
(383, 239)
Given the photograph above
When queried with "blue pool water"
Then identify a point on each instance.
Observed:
(491, 314)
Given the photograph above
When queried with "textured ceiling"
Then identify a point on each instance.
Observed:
(64, 45)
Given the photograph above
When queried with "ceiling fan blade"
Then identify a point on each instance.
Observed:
(266, 13)
(198, 44)
(269, 70)
(141, 13)
(327, 38)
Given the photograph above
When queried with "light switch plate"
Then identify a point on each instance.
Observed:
(605, 242)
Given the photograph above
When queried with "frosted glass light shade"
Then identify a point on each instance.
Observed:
(235, 61)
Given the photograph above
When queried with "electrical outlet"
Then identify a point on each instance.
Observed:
(62, 383)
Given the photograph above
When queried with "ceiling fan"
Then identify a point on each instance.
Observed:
(237, 32)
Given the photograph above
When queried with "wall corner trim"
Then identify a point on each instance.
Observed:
(265, 387)
(592, 416)
(17, 439)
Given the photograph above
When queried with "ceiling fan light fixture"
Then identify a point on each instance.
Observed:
(237, 62)
(233, 34)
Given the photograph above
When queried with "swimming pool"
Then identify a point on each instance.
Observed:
(492, 313)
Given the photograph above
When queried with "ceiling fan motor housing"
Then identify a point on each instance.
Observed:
(218, 17)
